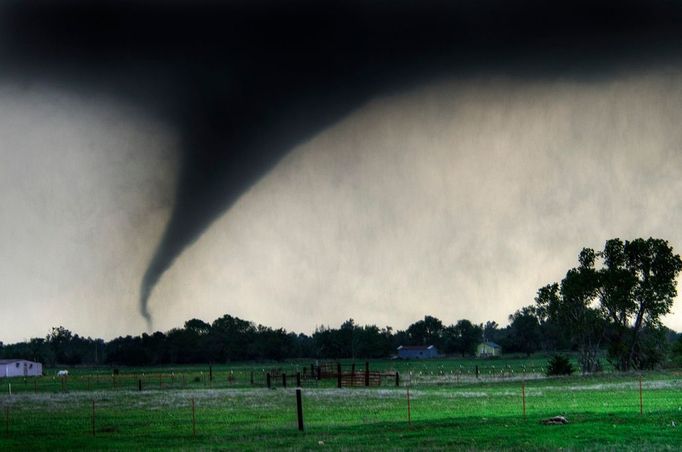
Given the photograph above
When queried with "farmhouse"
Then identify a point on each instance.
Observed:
(486, 349)
(417, 351)
(19, 368)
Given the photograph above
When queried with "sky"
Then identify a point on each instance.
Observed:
(457, 198)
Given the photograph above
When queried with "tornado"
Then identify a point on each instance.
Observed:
(243, 82)
(282, 73)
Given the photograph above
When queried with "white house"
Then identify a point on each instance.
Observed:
(417, 351)
(486, 349)
(19, 368)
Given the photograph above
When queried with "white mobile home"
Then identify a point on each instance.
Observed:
(19, 368)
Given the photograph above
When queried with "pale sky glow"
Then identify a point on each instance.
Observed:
(457, 200)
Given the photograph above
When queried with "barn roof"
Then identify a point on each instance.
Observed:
(10, 361)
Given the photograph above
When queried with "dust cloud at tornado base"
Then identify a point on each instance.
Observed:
(457, 200)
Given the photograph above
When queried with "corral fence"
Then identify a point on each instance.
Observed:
(314, 375)
(352, 377)
(330, 374)
(345, 375)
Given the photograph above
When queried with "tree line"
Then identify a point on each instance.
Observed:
(230, 338)
(612, 300)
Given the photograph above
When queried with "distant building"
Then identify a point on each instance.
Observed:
(19, 368)
(487, 349)
(417, 351)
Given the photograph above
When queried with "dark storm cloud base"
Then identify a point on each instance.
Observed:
(245, 81)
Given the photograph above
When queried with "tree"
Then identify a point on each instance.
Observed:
(231, 339)
(463, 337)
(524, 335)
(573, 304)
(426, 332)
(559, 365)
(638, 287)
(198, 327)
(611, 297)
(491, 331)
(61, 342)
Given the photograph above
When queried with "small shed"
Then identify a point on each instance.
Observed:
(20, 368)
(487, 349)
(417, 351)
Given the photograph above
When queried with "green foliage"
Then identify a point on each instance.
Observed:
(426, 332)
(559, 365)
(617, 296)
(524, 332)
(463, 338)
(676, 353)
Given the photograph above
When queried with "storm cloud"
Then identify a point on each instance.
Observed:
(443, 154)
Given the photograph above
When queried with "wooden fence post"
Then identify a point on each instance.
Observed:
(409, 414)
(251, 378)
(298, 379)
(267, 378)
(299, 409)
(284, 380)
(366, 373)
(397, 378)
(477, 371)
(338, 375)
(194, 420)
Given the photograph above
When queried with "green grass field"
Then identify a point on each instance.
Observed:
(448, 409)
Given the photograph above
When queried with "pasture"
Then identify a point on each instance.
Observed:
(181, 408)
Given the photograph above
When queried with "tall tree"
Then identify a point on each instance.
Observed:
(638, 287)
(462, 338)
(612, 296)
(524, 335)
(426, 332)
(574, 304)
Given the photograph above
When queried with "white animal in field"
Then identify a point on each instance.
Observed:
(63, 373)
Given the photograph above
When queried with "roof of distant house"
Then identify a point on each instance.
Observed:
(416, 347)
(491, 344)
(9, 361)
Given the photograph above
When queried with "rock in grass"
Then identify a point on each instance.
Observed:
(556, 420)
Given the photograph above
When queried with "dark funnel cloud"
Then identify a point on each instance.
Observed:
(243, 82)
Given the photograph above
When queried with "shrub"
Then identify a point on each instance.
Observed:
(559, 365)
